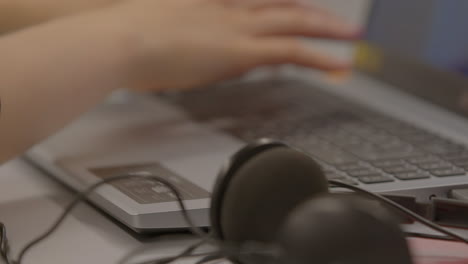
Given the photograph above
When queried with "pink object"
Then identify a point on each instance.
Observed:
(432, 251)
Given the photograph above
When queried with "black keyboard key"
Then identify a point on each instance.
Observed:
(375, 179)
(340, 137)
(400, 169)
(330, 154)
(448, 172)
(455, 156)
(423, 159)
(411, 175)
(460, 162)
(397, 154)
(418, 137)
(440, 147)
(381, 138)
(394, 126)
(373, 155)
(362, 172)
(352, 167)
(360, 129)
(388, 163)
(435, 165)
(366, 154)
(335, 158)
(396, 146)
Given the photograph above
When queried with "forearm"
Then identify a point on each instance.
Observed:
(16, 14)
(53, 73)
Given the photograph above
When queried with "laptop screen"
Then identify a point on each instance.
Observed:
(421, 47)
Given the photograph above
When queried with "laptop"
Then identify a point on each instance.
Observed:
(399, 125)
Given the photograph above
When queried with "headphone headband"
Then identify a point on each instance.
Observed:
(226, 174)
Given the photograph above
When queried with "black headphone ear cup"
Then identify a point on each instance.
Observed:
(342, 229)
(258, 194)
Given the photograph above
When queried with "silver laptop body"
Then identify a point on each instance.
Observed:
(189, 143)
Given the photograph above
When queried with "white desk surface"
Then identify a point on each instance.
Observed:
(30, 201)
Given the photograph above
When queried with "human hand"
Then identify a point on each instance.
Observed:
(186, 43)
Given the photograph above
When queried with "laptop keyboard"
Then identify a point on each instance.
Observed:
(352, 143)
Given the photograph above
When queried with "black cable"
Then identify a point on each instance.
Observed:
(400, 208)
(84, 195)
(4, 246)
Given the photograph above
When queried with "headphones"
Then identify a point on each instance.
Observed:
(271, 204)
(272, 194)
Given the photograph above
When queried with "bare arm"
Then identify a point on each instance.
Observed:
(51, 74)
(17, 14)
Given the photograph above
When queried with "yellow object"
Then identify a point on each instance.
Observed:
(368, 57)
